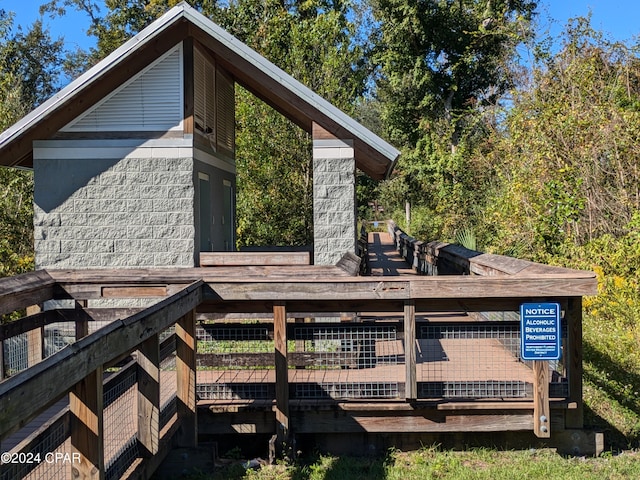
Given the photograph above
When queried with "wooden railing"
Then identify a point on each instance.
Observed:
(113, 399)
(434, 353)
(439, 258)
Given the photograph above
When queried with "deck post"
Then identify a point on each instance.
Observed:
(149, 395)
(186, 378)
(574, 418)
(82, 323)
(35, 340)
(282, 372)
(87, 426)
(411, 385)
(541, 411)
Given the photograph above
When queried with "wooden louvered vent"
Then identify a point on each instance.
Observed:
(225, 103)
(214, 104)
(151, 101)
(204, 92)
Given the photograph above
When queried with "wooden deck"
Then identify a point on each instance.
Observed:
(417, 309)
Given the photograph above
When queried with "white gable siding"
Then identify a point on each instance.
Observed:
(150, 101)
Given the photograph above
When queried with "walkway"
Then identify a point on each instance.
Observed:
(384, 259)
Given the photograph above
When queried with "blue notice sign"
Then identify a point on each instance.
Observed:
(540, 331)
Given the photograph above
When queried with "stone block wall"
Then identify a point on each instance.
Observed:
(136, 211)
(334, 204)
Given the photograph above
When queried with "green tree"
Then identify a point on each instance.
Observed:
(30, 66)
(440, 59)
(568, 166)
(312, 41)
(444, 67)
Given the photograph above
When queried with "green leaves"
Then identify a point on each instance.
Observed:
(313, 42)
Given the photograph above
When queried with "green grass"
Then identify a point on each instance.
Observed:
(432, 463)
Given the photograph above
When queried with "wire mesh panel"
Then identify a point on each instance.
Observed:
(16, 354)
(168, 377)
(472, 360)
(341, 361)
(46, 458)
(121, 422)
(235, 361)
(236, 339)
(347, 390)
(230, 390)
(26, 349)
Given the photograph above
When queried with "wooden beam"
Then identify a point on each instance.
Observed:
(25, 324)
(134, 291)
(35, 339)
(87, 426)
(149, 396)
(411, 384)
(541, 411)
(22, 291)
(282, 372)
(227, 259)
(573, 353)
(186, 378)
(82, 320)
(189, 89)
(421, 421)
(350, 263)
(284, 283)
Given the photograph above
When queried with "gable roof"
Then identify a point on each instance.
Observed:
(373, 155)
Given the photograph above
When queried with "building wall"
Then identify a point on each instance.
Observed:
(334, 200)
(104, 204)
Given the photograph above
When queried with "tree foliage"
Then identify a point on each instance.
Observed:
(312, 41)
(569, 167)
(444, 67)
(440, 59)
(30, 66)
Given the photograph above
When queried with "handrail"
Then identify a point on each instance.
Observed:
(24, 290)
(48, 380)
(79, 371)
(441, 258)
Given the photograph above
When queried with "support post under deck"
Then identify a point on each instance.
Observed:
(575, 417)
(411, 385)
(541, 411)
(282, 372)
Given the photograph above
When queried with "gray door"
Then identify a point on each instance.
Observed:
(206, 219)
(228, 216)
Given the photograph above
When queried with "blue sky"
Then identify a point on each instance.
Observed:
(619, 22)
(617, 19)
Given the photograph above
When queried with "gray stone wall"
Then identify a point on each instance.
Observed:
(136, 211)
(334, 205)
